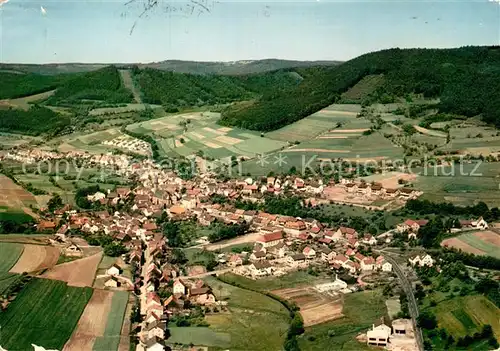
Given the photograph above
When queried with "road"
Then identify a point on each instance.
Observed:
(412, 302)
(206, 274)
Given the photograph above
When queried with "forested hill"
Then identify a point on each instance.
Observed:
(467, 81)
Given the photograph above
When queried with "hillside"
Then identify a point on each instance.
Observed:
(179, 66)
(467, 81)
(181, 89)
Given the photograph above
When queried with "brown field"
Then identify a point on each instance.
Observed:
(76, 273)
(459, 244)
(333, 137)
(12, 195)
(489, 236)
(315, 307)
(345, 113)
(225, 129)
(208, 129)
(228, 140)
(392, 182)
(212, 145)
(36, 258)
(92, 323)
(349, 130)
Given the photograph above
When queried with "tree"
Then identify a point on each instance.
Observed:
(55, 203)
(426, 320)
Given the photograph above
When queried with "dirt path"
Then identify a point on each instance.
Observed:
(76, 273)
(35, 258)
(92, 323)
(128, 82)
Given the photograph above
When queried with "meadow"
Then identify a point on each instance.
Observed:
(289, 280)
(249, 317)
(478, 243)
(10, 254)
(44, 313)
(112, 333)
(360, 310)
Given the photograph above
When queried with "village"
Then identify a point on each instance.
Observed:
(280, 244)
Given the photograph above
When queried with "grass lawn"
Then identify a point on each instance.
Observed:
(361, 309)
(254, 321)
(267, 284)
(44, 313)
(198, 336)
(111, 337)
(10, 255)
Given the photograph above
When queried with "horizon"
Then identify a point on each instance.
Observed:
(92, 32)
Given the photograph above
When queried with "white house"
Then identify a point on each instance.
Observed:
(379, 335)
(309, 252)
(112, 283)
(179, 287)
(367, 264)
(479, 224)
(113, 270)
(271, 239)
(369, 239)
(261, 268)
(422, 260)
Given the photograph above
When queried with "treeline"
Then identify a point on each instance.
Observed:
(467, 81)
(35, 121)
(174, 90)
(15, 85)
(479, 261)
(221, 231)
(426, 207)
(103, 85)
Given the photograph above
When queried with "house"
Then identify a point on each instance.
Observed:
(479, 224)
(113, 270)
(369, 239)
(179, 287)
(154, 329)
(344, 231)
(351, 266)
(421, 260)
(152, 317)
(154, 344)
(379, 334)
(297, 260)
(367, 264)
(205, 299)
(411, 225)
(261, 268)
(406, 192)
(309, 253)
(294, 228)
(235, 260)
(112, 283)
(176, 210)
(340, 259)
(271, 239)
(402, 327)
(327, 254)
(258, 255)
(45, 225)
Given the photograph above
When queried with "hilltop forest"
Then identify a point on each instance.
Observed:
(465, 80)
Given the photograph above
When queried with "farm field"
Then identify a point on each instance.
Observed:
(10, 255)
(199, 336)
(249, 317)
(79, 273)
(24, 102)
(122, 109)
(92, 323)
(111, 336)
(364, 87)
(315, 307)
(36, 258)
(463, 316)
(177, 137)
(477, 243)
(360, 310)
(13, 196)
(44, 313)
(464, 186)
(289, 280)
(320, 122)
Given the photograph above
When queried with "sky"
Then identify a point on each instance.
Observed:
(114, 31)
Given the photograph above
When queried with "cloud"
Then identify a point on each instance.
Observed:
(44, 12)
(3, 2)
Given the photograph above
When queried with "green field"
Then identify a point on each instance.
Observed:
(447, 184)
(361, 309)
(267, 284)
(10, 255)
(44, 313)
(6, 280)
(249, 320)
(111, 337)
(199, 336)
(463, 316)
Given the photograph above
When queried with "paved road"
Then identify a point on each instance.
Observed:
(206, 274)
(412, 302)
